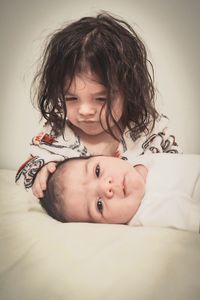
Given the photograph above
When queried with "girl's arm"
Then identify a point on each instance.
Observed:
(45, 148)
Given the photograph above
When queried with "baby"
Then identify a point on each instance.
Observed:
(149, 190)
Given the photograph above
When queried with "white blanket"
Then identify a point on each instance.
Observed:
(41, 258)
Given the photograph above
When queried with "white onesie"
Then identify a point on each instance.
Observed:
(172, 196)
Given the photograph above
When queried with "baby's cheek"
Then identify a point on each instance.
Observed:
(139, 189)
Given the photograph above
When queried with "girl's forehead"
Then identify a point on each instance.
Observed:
(82, 80)
(87, 75)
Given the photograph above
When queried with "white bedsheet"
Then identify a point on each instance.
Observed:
(41, 258)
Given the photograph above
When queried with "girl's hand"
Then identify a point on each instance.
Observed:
(40, 183)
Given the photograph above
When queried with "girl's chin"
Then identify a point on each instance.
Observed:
(89, 130)
(92, 131)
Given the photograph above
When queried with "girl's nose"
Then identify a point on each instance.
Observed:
(86, 110)
(107, 187)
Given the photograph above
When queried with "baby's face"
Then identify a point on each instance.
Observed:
(102, 190)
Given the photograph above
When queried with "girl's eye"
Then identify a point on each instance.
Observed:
(103, 99)
(97, 170)
(100, 205)
(70, 98)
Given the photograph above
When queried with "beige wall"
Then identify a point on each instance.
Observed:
(169, 28)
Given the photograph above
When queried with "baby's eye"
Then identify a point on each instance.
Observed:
(97, 170)
(100, 205)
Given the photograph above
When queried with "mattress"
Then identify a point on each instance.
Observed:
(41, 258)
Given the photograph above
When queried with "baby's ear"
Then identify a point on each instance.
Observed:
(142, 170)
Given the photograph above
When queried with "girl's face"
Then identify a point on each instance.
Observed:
(102, 190)
(85, 99)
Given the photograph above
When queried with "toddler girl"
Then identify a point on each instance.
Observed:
(95, 90)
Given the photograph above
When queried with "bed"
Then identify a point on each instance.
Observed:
(41, 258)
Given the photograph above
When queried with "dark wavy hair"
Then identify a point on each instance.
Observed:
(109, 48)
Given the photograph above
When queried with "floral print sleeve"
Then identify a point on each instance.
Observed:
(46, 147)
(160, 140)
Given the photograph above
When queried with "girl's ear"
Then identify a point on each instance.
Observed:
(142, 170)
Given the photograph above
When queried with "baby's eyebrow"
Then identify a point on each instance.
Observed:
(86, 169)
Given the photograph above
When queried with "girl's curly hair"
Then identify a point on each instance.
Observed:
(109, 48)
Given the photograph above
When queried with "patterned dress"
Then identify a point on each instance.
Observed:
(46, 147)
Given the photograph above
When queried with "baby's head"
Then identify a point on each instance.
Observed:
(99, 189)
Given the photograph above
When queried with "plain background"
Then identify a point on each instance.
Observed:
(170, 29)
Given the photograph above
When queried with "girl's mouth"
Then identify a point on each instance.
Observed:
(87, 121)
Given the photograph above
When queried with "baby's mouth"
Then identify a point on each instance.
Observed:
(124, 186)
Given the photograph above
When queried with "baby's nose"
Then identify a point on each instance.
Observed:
(107, 187)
